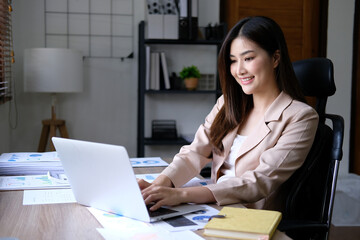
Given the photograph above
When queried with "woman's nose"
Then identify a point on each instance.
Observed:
(240, 69)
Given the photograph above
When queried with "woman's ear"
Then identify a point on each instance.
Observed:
(276, 58)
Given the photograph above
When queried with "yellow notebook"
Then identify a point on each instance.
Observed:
(243, 223)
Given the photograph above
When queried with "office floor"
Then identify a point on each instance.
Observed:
(346, 208)
(344, 233)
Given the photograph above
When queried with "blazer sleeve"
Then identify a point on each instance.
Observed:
(276, 164)
(192, 158)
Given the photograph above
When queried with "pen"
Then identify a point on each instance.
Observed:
(217, 216)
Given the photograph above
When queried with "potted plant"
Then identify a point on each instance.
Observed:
(191, 77)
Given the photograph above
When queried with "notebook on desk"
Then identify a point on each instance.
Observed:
(101, 176)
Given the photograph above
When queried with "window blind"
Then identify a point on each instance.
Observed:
(6, 51)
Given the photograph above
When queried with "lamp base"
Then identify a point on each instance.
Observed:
(49, 130)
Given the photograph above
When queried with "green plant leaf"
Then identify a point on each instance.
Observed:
(189, 72)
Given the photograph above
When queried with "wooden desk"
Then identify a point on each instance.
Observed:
(55, 221)
(52, 221)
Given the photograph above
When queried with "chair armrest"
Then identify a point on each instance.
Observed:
(288, 225)
(338, 129)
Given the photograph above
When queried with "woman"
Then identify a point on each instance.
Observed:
(258, 133)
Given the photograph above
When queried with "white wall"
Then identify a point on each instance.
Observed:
(340, 51)
(106, 111)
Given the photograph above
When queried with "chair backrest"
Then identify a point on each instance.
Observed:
(309, 185)
(312, 187)
(316, 79)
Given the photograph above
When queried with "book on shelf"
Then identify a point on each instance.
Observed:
(155, 71)
(157, 78)
(243, 223)
(164, 70)
(147, 66)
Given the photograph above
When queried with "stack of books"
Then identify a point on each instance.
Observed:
(243, 223)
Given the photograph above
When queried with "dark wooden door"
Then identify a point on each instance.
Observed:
(354, 163)
(304, 23)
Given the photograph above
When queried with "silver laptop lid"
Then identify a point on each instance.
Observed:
(101, 176)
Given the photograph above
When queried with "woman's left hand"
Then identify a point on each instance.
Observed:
(142, 183)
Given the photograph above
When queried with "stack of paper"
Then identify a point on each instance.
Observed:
(29, 163)
(30, 182)
(120, 227)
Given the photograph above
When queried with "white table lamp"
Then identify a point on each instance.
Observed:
(52, 70)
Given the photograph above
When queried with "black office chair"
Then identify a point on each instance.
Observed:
(309, 203)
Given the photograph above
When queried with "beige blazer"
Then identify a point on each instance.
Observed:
(266, 159)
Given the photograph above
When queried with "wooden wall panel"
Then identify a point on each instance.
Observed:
(354, 166)
(299, 21)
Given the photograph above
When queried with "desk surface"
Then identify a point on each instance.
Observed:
(54, 221)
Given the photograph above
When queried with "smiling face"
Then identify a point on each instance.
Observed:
(252, 67)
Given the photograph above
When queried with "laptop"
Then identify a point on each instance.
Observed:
(101, 176)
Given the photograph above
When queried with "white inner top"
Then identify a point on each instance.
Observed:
(228, 168)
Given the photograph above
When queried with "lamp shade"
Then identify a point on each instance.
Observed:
(53, 70)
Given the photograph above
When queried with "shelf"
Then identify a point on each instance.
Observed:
(182, 42)
(150, 94)
(181, 92)
(178, 141)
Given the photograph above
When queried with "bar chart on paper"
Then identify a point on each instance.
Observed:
(148, 162)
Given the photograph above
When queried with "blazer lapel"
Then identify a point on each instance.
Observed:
(272, 114)
(254, 139)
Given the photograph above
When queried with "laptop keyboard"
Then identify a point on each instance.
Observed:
(159, 212)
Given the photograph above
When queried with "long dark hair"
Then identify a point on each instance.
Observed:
(267, 34)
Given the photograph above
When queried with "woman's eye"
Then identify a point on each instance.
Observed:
(249, 58)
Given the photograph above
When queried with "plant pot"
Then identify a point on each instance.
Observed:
(191, 83)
